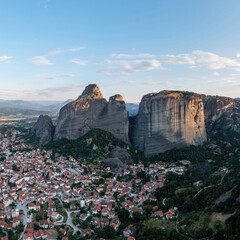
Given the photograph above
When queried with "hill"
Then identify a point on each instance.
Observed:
(95, 144)
(6, 111)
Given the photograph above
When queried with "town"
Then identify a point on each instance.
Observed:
(46, 197)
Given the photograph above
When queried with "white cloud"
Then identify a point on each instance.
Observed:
(202, 59)
(216, 73)
(41, 60)
(129, 63)
(44, 61)
(57, 76)
(130, 66)
(162, 84)
(61, 51)
(179, 59)
(52, 93)
(140, 55)
(238, 55)
(76, 49)
(79, 62)
(5, 58)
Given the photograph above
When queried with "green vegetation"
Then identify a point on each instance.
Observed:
(83, 147)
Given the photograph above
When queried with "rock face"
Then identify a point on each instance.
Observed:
(90, 111)
(169, 119)
(118, 159)
(43, 129)
(221, 112)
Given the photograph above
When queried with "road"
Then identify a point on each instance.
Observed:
(212, 184)
(69, 221)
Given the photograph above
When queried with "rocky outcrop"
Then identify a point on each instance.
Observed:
(221, 113)
(118, 159)
(90, 111)
(169, 119)
(43, 129)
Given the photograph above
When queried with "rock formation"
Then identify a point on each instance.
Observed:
(90, 111)
(221, 113)
(169, 119)
(118, 159)
(43, 129)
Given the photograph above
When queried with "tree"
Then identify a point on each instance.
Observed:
(169, 202)
(84, 225)
(123, 214)
(39, 217)
(136, 217)
(15, 168)
(20, 228)
(109, 232)
(218, 225)
(122, 199)
(188, 205)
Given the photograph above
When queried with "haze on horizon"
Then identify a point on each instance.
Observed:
(52, 49)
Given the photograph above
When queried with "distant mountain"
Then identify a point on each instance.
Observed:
(132, 108)
(56, 107)
(6, 111)
(50, 106)
(237, 99)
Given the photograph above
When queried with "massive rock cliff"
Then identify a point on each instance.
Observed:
(43, 129)
(169, 119)
(90, 111)
(221, 113)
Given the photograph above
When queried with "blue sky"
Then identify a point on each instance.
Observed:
(51, 49)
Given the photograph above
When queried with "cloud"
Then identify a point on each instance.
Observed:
(202, 59)
(165, 84)
(127, 63)
(228, 82)
(41, 60)
(238, 55)
(216, 73)
(140, 55)
(55, 93)
(57, 76)
(44, 61)
(130, 66)
(79, 62)
(4, 59)
(61, 51)
(179, 59)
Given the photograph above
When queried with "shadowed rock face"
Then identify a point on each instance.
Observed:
(221, 112)
(90, 111)
(118, 159)
(169, 119)
(43, 129)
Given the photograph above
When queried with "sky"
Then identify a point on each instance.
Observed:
(52, 49)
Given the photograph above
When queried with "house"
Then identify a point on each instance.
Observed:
(158, 214)
(131, 238)
(43, 223)
(127, 231)
(31, 206)
(16, 222)
(84, 232)
(41, 234)
(104, 222)
(28, 236)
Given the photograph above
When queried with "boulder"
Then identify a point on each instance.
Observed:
(118, 159)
